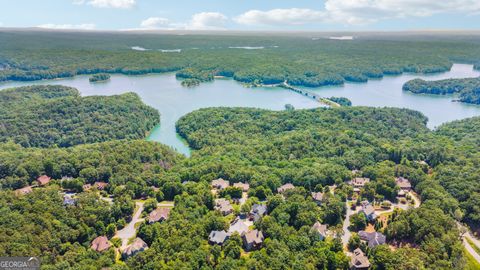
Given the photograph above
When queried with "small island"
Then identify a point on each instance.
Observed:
(101, 77)
(191, 82)
(468, 89)
(342, 101)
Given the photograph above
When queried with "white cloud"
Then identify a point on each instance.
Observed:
(85, 26)
(358, 11)
(124, 4)
(155, 23)
(281, 16)
(199, 21)
(208, 21)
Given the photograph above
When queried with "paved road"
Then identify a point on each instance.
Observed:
(129, 230)
(346, 223)
(467, 245)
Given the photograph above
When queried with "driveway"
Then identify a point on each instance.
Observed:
(129, 231)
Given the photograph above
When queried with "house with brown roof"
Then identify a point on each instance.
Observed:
(359, 182)
(100, 185)
(317, 197)
(359, 260)
(137, 246)
(43, 180)
(252, 240)
(220, 183)
(223, 206)
(218, 237)
(159, 214)
(319, 229)
(23, 191)
(100, 244)
(373, 239)
(285, 187)
(243, 186)
(403, 183)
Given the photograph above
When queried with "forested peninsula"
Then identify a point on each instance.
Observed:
(467, 89)
(301, 60)
(317, 150)
(42, 116)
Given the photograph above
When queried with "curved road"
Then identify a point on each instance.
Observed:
(129, 230)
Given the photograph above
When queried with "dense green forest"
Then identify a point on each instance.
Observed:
(43, 116)
(307, 59)
(468, 89)
(99, 77)
(312, 149)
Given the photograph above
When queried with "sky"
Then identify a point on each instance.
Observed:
(276, 15)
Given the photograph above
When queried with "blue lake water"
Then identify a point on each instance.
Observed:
(165, 93)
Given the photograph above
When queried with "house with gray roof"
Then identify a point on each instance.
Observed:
(257, 212)
(372, 238)
(238, 226)
(218, 237)
(368, 210)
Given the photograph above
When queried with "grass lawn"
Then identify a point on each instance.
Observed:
(471, 264)
(475, 247)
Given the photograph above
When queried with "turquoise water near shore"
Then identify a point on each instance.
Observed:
(165, 93)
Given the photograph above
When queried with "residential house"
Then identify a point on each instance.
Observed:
(100, 244)
(317, 197)
(285, 187)
(87, 187)
(319, 229)
(218, 237)
(252, 240)
(257, 212)
(372, 238)
(223, 206)
(220, 183)
(137, 246)
(403, 184)
(359, 182)
(359, 260)
(368, 210)
(23, 191)
(100, 185)
(43, 180)
(159, 214)
(69, 200)
(243, 186)
(238, 226)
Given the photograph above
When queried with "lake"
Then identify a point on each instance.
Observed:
(164, 92)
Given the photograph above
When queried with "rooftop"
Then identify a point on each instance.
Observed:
(285, 188)
(373, 238)
(100, 244)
